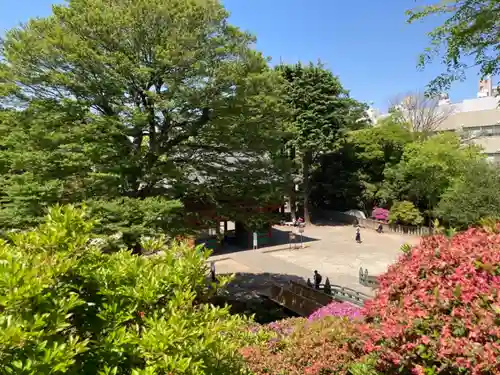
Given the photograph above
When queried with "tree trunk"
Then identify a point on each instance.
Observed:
(292, 202)
(306, 166)
(292, 197)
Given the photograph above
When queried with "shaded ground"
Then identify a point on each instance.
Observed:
(242, 295)
(280, 236)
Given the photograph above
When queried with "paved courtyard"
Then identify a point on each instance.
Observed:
(329, 249)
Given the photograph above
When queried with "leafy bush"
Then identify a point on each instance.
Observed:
(380, 213)
(405, 212)
(437, 308)
(298, 347)
(129, 219)
(68, 308)
(471, 198)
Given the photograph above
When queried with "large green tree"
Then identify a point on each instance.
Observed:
(472, 197)
(427, 169)
(377, 149)
(471, 29)
(321, 113)
(352, 176)
(134, 99)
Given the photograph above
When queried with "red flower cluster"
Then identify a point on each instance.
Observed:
(437, 309)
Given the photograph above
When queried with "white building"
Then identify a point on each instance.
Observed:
(477, 120)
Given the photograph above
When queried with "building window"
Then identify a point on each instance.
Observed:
(483, 131)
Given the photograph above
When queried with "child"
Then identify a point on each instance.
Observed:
(358, 235)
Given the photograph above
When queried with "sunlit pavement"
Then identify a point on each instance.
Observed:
(332, 251)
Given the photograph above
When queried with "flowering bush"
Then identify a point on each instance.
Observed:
(437, 308)
(301, 347)
(380, 213)
(342, 309)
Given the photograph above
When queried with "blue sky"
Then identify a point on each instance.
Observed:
(366, 43)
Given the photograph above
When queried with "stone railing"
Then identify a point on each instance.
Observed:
(373, 224)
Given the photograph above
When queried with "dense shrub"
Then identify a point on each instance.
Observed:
(129, 219)
(405, 212)
(472, 197)
(437, 308)
(68, 308)
(301, 347)
(380, 213)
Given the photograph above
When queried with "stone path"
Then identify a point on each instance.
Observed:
(329, 249)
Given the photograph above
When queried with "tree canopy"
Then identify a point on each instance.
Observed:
(472, 197)
(427, 169)
(321, 114)
(145, 106)
(352, 176)
(134, 99)
(470, 29)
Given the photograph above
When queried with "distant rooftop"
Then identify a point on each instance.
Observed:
(484, 110)
(471, 118)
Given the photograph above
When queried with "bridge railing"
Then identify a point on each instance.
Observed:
(329, 292)
(367, 280)
(298, 304)
(314, 294)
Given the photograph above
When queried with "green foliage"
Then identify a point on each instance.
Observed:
(405, 248)
(470, 29)
(405, 213)
(472, 197)
(353, 175)
(68, 308)
(322, 109)
(386, 163)
(321, 112)
(379, 148)
(132, 218)
(427, 169)
(337, 180)
(49, 154)
(137, 99)
(382, 144)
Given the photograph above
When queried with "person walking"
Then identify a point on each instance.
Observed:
(358, 235)
(317, 279)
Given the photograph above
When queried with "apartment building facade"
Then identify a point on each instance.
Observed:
(476, 120)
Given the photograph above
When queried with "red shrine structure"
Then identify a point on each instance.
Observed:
(217, 215)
